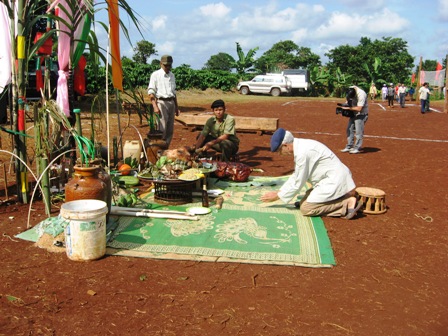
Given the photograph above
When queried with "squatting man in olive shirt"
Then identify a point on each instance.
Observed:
(219, 133)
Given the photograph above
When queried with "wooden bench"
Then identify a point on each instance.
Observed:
(195, 121)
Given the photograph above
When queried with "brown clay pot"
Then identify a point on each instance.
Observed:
(87, 183)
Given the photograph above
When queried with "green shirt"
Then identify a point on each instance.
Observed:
(216, 129)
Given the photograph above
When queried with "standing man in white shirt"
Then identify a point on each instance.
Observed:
(162, 94)
(402, 95)
(424, 97)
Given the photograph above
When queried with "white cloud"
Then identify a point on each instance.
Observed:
(443, 9)
(215, 10)
(166, 48)
(318, 8)
(354, 25)
(159, 22)
(366, 4)
(299, 35)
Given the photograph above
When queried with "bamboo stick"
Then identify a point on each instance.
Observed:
(173, 212)
(152, 215)
(5, 179)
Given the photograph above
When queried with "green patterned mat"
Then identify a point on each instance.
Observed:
(244, 230)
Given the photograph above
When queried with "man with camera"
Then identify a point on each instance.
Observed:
(357, 110)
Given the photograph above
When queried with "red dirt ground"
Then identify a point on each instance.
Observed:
(391, 273)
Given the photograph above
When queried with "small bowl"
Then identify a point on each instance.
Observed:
(207, 165)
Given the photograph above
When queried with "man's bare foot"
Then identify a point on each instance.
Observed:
(351, 202)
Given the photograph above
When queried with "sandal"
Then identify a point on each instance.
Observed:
(352, 212)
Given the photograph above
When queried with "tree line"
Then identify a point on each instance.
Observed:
(386, 60)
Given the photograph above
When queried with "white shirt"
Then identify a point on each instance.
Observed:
(317, 164)
(162, 84)
(424, 92)
(402, 89)
(361, 100)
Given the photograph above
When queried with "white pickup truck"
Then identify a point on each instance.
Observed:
(299, 79)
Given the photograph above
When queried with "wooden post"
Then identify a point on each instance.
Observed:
(418, 80)
(445, 108)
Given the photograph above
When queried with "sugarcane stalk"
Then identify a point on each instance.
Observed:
(153, 215)
(174, 212)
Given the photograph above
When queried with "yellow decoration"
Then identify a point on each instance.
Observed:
(21, 47)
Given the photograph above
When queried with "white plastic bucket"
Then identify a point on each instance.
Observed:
(132, 148)
(85, 233)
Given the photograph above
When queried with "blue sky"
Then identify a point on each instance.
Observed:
(193, 30)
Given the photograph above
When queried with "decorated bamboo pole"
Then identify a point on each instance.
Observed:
(445, 108)
(21, 170)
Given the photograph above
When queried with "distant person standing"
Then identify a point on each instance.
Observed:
(373, 92)
(424, 97)
(356, 123)
(390, 95)
(162, 94)
(402, 94)
(411, 93)
(396, 92)
(384, 92)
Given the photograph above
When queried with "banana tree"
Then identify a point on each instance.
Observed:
(319, 80)
(245, 61)
(374, 72)
(341, 82)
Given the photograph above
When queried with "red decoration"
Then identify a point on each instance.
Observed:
(438, 68)
(47, 47)
(79, 80)
(21, 120)
(39, 80)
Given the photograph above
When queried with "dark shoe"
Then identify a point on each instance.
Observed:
(351, 213)
(297, 204)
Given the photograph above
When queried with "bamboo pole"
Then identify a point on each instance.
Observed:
(418, 80)
(21, 170)
(118, 208)
(445, 108)
(5, 180)
(42, 159)
(135, 212)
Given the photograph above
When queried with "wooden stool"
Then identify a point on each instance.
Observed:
(374, 200)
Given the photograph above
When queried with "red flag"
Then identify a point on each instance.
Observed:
(438, 68)
(117, 70)
(413, 78)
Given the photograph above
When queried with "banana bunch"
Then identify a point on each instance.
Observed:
(127, 200)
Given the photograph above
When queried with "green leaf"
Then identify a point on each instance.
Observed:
(11, 298)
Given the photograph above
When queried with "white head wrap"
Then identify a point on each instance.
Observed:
(288, 138)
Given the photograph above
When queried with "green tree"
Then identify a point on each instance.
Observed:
(287, 55)
(429, 65)
(143, 51)
(396, 62)
(220, 61)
